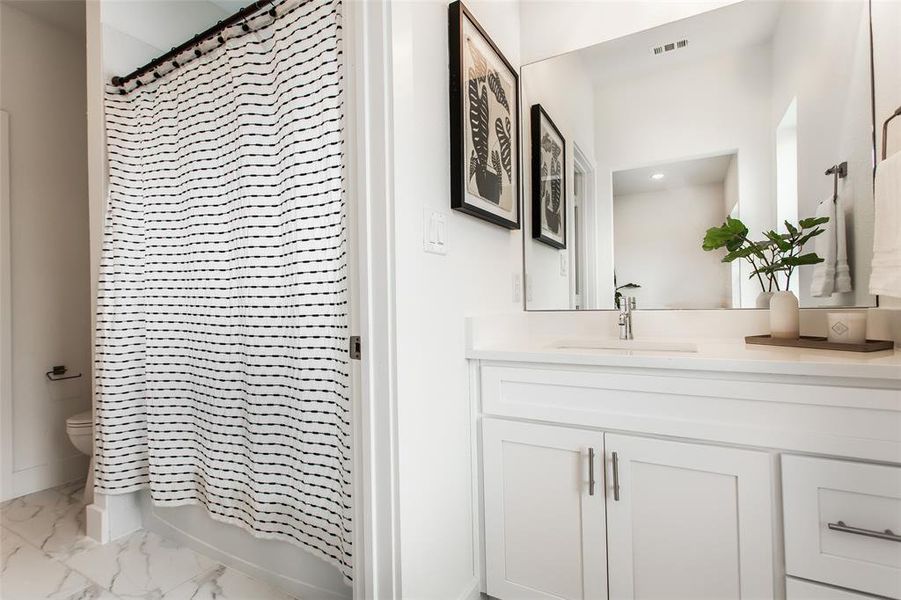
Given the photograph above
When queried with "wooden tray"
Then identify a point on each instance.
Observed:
(820, 343)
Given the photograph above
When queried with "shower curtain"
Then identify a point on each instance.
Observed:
(222, 374)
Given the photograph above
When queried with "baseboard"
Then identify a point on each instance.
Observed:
(112, 517)
(41, 477)
(473, 590)
(96, 523)
(303, 589)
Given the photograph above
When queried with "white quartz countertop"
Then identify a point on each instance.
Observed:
(732, 356)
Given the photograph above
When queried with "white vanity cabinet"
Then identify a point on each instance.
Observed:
(544, 511)
(688, 520)
(682, 520)
(691, 470)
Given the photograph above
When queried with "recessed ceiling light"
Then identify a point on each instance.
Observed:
(657, 176)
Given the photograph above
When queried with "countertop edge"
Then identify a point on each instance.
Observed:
(830, 369)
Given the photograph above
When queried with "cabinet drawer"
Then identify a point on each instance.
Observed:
(838, 521)
(795, 589)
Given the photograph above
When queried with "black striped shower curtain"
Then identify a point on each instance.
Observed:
(222, 374)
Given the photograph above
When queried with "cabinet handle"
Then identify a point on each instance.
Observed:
(615, 477)
(882, 535)
(591, 471)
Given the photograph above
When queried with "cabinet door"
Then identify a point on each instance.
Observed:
(688, 520)
(544, 524)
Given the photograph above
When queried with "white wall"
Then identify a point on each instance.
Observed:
(433, 295)
(562, 86)
(665, 260)
(43, 75)
(821, 56)
(716, 106)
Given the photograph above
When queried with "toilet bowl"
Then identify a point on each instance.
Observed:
(80, 428)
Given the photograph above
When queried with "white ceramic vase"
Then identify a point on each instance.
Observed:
(784, 316)
(763, 300)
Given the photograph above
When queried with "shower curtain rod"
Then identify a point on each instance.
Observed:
(241, 15)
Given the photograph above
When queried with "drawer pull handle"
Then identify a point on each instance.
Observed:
(591, 471)
(615, 477)
(882, 535)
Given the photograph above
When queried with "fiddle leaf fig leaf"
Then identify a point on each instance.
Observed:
(806, 237)
(740, 253)
(730, 235)
(804, 259)
(812, 222)
(781, 243)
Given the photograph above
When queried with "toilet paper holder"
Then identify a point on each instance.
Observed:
(58, 373)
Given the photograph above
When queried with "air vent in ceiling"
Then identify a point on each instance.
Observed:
(669, 47)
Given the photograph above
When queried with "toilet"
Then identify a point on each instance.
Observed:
(80, 428)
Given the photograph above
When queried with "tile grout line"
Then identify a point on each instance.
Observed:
(53, 559)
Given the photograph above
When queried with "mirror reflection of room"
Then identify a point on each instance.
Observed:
(735, 114)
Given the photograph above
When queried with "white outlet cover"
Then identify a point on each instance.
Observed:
(517, 287)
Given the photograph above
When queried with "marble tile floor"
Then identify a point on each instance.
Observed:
(44, 555)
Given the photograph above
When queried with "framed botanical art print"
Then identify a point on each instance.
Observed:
(484, 124)
(548, 180)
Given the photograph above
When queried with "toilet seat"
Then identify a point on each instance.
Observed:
(83, 420)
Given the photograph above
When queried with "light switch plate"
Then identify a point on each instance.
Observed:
(434, 231)
(517, 287)
(564, 264)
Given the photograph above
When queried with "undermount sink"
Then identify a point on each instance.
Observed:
(635, 345)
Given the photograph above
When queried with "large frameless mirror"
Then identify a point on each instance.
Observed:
(751, 115)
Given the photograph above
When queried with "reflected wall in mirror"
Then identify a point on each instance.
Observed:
(734, 113)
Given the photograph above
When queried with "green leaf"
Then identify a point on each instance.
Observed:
(812, 222)
(811, 234)
(778, 239)
(804, 259)
(740, 253)
(791, 228)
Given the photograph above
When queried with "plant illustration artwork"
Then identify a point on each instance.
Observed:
(484, 124)
(490, 161)
(548, 180)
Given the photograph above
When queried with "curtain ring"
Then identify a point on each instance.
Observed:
(197, 52)
(245, 27)
(221, 40)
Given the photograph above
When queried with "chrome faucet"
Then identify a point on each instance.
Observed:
(626, 306)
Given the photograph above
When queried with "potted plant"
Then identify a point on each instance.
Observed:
(618, 294)
(776, 257)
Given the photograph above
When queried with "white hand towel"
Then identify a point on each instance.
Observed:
(842, 271)
(823, 281)
(885, 277)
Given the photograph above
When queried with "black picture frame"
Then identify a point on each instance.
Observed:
(539, 118)
(489, 156)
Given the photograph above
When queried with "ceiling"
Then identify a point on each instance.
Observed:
(697, 171)
(709, 34)
(64, 14)
(164, 24)
(138, 31)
